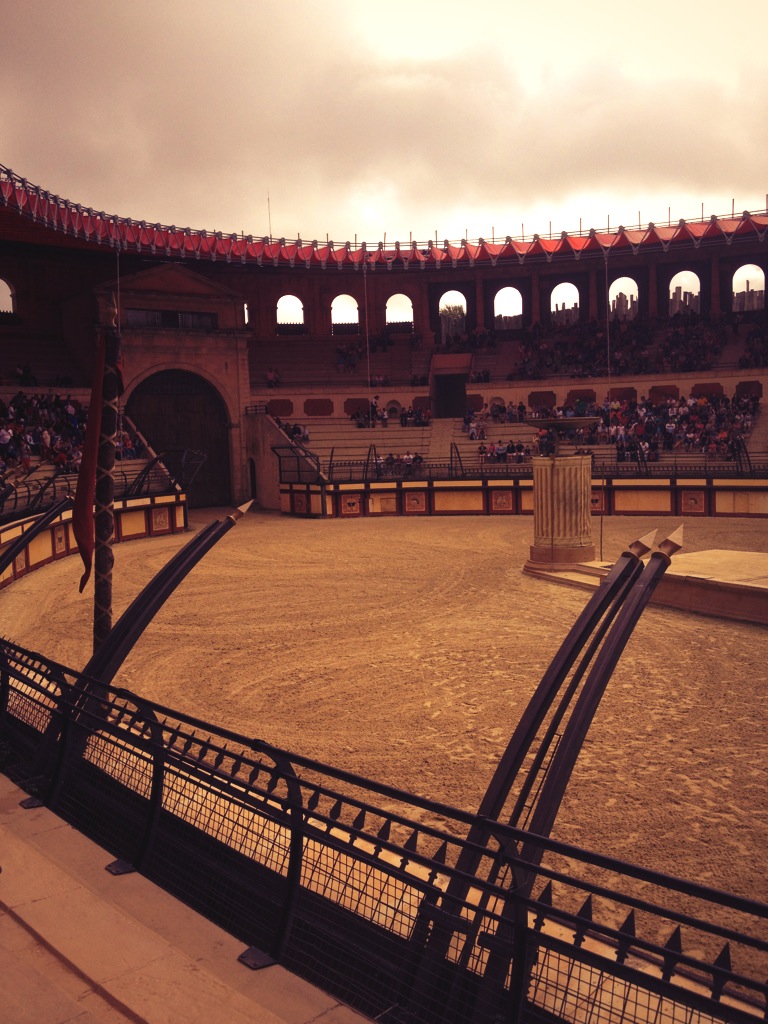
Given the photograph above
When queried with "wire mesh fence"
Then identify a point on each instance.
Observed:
(359, 887)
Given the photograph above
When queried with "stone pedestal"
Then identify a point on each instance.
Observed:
(562, 516)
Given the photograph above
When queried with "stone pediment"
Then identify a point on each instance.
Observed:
(171, 281)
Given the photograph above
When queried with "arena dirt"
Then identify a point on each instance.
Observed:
(405, 649)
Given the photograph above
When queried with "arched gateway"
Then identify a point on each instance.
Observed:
(179, 410)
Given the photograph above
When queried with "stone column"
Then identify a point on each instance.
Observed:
(592, 308)
(714, 288)
(562, 510)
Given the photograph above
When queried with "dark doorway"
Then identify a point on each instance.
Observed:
(450, 395)
(175, 409)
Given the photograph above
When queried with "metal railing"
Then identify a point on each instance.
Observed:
(464, 468)
(346, 881)
(38, 491)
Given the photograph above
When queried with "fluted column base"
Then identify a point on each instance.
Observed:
(562, 510)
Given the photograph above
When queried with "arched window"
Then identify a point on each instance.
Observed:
(290, 315)
(684, 293)
(748, 289)
(400, 313)
(622, 298)
(564, 304)
(507, 309)
(453, 316)
(7, 303)
(345, 316)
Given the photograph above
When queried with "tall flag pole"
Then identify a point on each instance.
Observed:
(104, 516)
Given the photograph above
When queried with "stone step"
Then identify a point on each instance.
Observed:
(84, 945)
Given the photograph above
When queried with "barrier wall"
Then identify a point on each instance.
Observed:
(135, 518)
(514, 496)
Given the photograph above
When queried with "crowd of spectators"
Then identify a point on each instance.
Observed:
(294, 431)
(679, 344)
(706, 424)
(475, 423)
(379, 415)
(48, 430)
(44, 428)
(755, 353)
(404, 466)
(504, 451)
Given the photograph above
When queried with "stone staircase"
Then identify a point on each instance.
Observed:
(758, 438)
(346, 442)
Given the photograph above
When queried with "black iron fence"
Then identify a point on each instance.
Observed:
(355, 885)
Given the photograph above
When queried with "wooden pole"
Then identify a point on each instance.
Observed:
(104, 516)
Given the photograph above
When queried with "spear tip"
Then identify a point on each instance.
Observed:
(673, 543)
(643, 545)
(240, 511)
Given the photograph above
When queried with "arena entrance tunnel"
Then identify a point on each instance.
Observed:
(175, 409)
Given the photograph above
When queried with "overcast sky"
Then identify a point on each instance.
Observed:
(411, 119)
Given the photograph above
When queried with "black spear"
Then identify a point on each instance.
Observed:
(17, 545)
(587, 631)
(563, 762)
(114, 649)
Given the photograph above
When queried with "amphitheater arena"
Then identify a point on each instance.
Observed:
(405, 647)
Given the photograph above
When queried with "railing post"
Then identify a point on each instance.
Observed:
(159, 755)
(296, 826)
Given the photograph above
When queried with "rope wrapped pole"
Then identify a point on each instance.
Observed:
(104, 515)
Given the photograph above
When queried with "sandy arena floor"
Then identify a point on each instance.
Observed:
(406, 650)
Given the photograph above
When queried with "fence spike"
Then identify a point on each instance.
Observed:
(585, 919)
(411, 842)
(585, 913)
(627, 934)
(384, 831)
(335, 811)
(674, 948)
(314, 800)
(721, 967)
(723, 960)
(442, 853)
(359, 822)
(545, 900)
(675, 941)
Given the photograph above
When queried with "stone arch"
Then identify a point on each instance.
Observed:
(623, 296)
(748, 286)
(507, 309)
(7, 298)
(290, 315)
(399, 311)
(452, 310)
(177, 410)
(685, 293)
(345, 315)
(564, 304)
